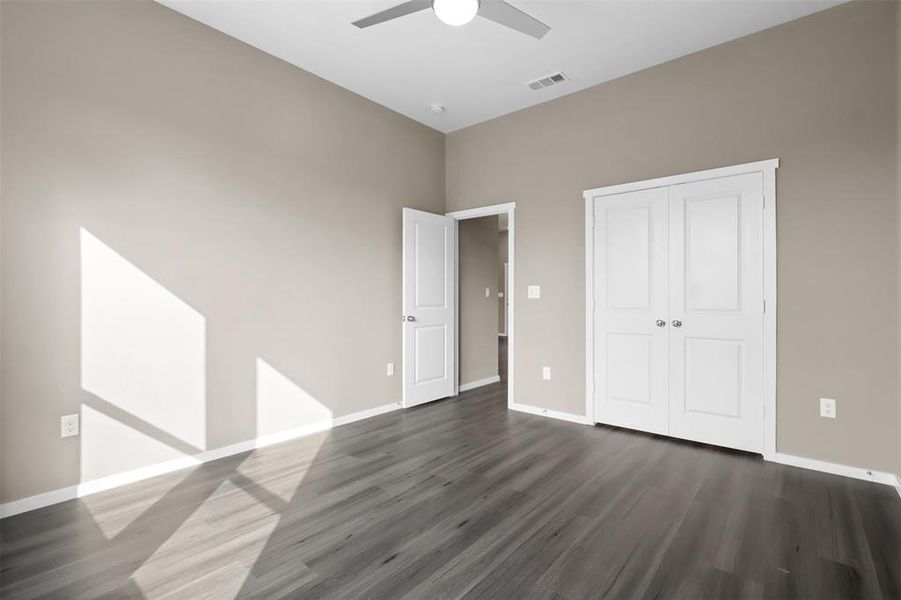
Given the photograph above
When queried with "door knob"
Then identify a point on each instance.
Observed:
(411, 318)
(661, 323)
(677, 323)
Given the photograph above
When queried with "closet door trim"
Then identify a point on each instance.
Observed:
(768, 170)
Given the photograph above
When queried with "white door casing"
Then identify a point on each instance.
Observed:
(716, 293)
(506, 298)
(508, 208)
(429, 306)
(630, 310)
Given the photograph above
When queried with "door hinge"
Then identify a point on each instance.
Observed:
(763, 203)
(764, 306)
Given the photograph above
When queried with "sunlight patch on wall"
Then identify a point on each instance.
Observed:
(142, 351)
(109, 446)
(283, 405)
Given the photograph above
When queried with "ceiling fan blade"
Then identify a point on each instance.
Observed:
(394, 12)
(510, 16)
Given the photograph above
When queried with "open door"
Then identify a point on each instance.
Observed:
(429, 307)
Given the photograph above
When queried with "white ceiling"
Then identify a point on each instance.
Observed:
(478, 71)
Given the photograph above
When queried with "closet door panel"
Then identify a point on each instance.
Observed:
(716, 311)
(630, 297)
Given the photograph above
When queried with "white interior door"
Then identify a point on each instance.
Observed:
(429, 298)
(631, 310)
(716, 311)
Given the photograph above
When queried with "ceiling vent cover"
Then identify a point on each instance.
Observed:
(547, 81)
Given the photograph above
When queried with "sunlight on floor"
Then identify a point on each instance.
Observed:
(113, 512)
(190, 579)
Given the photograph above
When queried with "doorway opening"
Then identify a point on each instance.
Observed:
(485, 294)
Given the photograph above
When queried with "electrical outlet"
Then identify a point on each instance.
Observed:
(68, 426)
(390, 369)
(827, 408)
(545, 372)
(534, 292)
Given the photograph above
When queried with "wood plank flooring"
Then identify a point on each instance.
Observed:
(463, 499)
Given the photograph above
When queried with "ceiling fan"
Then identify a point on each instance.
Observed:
(460, 12)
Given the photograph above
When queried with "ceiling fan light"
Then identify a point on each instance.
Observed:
(455, 12)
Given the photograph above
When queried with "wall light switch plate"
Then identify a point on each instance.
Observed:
(68, 426)
(827, 408)
(390, 369)
(534, 292)
(487, 292)
(545, 372)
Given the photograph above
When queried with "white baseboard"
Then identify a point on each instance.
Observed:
(463, 387)
(113, 481)
(777, 457)
(833, 468)
(553, 414)
(119, 479)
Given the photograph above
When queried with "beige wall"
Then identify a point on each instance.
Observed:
(190, 228)
(185, 219)
(819, 93)
(898, 180)
(477, 267)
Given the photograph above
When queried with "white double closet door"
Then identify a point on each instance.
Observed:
(679, 311)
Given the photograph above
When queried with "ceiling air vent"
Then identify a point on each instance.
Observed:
(547, 81)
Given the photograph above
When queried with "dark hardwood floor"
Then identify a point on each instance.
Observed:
(463, 499)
